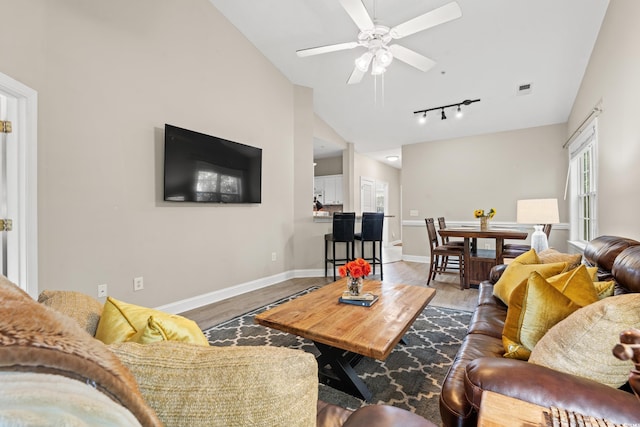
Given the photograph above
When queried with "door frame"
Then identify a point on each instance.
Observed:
(25, 132)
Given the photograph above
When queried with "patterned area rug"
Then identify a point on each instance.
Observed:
(410, 378)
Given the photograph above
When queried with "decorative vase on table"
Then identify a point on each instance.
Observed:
(355, 271)
(484, 217)
(354, 285)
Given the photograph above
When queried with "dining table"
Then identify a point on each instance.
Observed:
(479, 262)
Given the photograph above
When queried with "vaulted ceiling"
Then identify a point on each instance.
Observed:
(492, 49)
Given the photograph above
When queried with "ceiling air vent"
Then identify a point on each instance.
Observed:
(524, 89)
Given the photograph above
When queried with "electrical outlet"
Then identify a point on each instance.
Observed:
(413, 212)
(273, 256)
(138, 283)
(102, 290)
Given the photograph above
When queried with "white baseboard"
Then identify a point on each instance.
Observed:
(222, 294)
(416, 258)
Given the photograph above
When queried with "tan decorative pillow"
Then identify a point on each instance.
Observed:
(81, 307)
(195, 386)
(551, 255)
(121, 321)
(581, 344)
(538, 304)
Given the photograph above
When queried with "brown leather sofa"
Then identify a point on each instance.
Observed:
(479, 364)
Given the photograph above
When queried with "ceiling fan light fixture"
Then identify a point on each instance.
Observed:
(377, 68)
(363, 61)
(384, 57)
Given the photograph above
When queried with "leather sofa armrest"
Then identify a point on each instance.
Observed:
(545, 387)
(385, 416)
(496, 273)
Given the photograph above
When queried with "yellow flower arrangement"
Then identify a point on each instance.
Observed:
(479, 213)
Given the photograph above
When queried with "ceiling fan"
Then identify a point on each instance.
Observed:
(376, 38)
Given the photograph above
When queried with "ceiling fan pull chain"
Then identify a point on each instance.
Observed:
(382, 95)
(375, 91)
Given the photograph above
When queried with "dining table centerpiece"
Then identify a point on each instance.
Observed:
(484, 217)
(355, 271)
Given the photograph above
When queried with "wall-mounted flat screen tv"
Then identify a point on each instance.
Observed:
(207, 169)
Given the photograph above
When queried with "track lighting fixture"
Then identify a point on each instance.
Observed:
(422, 114)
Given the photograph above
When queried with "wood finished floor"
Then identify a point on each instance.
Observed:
(448, 293)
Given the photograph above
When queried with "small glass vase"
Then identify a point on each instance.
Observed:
(354, 285)
(484, 223)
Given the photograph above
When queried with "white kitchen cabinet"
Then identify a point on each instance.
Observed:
(328, 189)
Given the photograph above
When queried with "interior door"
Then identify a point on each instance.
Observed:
(367, 195)
(9, 252)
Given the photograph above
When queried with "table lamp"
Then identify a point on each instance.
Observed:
(538, 212)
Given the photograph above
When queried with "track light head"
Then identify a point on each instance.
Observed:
(423, 118)
(443, 116)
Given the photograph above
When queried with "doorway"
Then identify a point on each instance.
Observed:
(374, 197)
(18, 184)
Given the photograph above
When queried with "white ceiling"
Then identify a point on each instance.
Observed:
(493, 48)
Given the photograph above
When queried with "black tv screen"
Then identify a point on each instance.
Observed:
(207, 169)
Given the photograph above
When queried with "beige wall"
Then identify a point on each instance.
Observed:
(109, 75)
(612, 77)
(452, 178)
(328, 166)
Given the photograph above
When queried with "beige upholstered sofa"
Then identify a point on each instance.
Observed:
(54, 372)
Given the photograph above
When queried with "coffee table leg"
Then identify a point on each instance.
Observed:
(345, 378)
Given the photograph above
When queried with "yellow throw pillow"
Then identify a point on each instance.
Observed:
(519, 271)
(581, 344)
(121, 322)
(605, 289)
(576, 284)
(171, 328)
(538, 304)
(551, 255)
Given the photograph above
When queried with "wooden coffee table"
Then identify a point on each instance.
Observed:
(345, 333)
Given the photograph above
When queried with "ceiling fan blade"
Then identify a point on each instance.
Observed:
(412, 58)
(326, 49)
(358, 13)
(356, 76)
(446, 13)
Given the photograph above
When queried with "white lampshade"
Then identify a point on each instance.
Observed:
(538, 211)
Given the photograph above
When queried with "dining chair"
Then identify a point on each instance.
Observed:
(513, 250)
(440, 252)
(372, 223)
(342, 232)
(442, 224)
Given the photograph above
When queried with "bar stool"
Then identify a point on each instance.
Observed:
(372, 232)
(342, 232)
